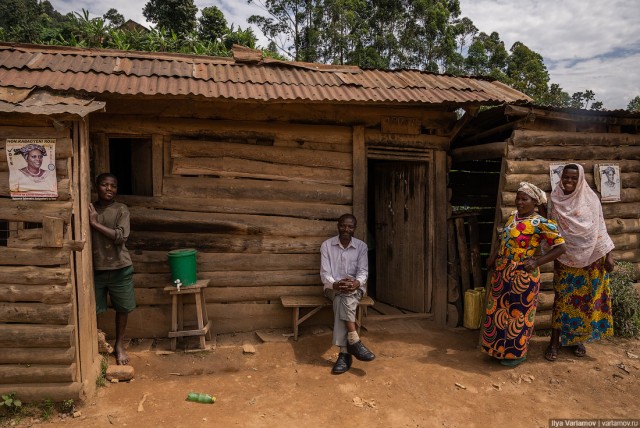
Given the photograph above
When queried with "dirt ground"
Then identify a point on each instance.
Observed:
(422, 377)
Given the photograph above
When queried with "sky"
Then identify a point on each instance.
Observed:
(586, 44)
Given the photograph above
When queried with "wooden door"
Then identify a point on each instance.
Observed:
(401, 210)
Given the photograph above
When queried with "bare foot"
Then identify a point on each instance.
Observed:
(122, 359)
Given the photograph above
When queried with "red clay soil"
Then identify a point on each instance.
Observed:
(422, 377)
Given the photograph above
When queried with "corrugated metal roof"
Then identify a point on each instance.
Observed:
(143, 73)
(40, 101)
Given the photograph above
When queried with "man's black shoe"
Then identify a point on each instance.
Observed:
(342, 364)
(360, 351)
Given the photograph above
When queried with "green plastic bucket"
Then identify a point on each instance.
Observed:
(183, 266)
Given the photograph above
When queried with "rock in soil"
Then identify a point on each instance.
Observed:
(121, 373)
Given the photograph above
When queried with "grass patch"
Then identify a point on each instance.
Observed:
(625, 302)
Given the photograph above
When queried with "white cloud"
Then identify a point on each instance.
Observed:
(586, 44)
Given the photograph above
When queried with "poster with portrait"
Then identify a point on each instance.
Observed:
(555, 172)
(607, 178)
(32, 169)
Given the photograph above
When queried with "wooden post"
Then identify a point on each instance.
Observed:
(157, 153)
(474, 245)
(87, 334)
(465, 271)
(439, 236)
(360, 182)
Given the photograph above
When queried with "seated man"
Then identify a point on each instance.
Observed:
(344, 269)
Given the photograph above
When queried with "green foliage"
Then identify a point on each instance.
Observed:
(67, 406)
(625, 302)
(178, 16)
(212, 25)
(47, 408)
(114, 18)
(11, 403)
(634, 105)
(101, 380)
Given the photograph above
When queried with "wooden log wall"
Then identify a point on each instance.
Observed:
(38, 352)
(255, 199)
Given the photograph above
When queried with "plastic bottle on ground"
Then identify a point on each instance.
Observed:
(201, 398)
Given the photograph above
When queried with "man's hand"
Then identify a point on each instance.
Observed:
(346, 285)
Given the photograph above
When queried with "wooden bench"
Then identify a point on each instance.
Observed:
(316, 303)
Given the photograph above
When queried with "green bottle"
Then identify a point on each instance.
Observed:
(201, 398)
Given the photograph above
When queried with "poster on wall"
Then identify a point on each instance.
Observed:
(607, 178)
(32, 169)
(555, 172)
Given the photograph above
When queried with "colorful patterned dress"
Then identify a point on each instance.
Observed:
(582, 305)
(513, 293)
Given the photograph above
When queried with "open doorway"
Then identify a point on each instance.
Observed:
(398, 213)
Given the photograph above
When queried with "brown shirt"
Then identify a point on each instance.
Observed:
(108, 254)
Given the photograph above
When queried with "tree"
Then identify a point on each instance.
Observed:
(634, 105)
(526, 72)
(212, 25)
(287, 25)
(115, 19)
(178, 16)
(582, 99)
(22, 20)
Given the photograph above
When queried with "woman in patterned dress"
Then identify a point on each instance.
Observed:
(515, 281)
(582, 305)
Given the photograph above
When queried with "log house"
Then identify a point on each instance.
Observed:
(248, 160)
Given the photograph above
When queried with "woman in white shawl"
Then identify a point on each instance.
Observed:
(582, 304)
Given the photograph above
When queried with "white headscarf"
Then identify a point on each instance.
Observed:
(581, 223)
(534, 191)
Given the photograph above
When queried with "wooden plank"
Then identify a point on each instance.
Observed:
(312, 301)
(279, 155)
(28, 131)
(52, 230)
(64, 189)
(385, 309)
(480, 152)
(213, 242)
(157, 262)
(35, 257)
(626, 195)
(542, 167)
(575, 153)
(529, 138)
(54, 356)
(101, 157)
(34, 275)
(232, 167)
(512, 110)
(63, 148)
(245, 278)
(85, 305)
(400, 125)
(36, 392)
(209, 188)
(422, 141)
(439, 236)
(474, 248)
(153, 322)
(35, 373)
(463, 255)
(49, 294)
(310, 210)
(36, 336)
(359, 157)
(157, 296)
(35, 313)
(34, 211)
(620, 225)
(238, 224)
(157, 152)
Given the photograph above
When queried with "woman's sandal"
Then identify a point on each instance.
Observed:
(579, 350)
(551, 354)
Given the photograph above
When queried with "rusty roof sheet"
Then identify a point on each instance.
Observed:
(143, 73)
(40, 101)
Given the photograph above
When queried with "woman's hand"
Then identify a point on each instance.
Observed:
(609, 263)
(530, 265)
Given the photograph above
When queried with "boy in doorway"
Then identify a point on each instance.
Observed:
(113, 270)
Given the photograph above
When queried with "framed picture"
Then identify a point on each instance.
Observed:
(555, 172)
(32, 169)
(607, 179)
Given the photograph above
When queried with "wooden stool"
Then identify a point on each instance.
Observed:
(177, 319)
